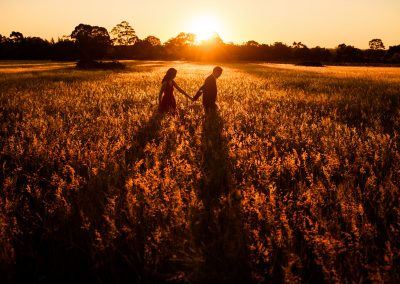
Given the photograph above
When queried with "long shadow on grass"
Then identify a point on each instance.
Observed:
(122, 259)
(127, 256)
(219, 232)
(75, 243)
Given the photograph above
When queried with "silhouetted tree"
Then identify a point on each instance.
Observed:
(252, 43)
(35, 48)
(250, 50)
(232, 51)
(93, 41)
(149, 48)
(376, 44)
(348, 53)
(16, 37)
(153, 41)
(178, 47)
(300, 51)
(182, 39)
(393, 54)
(3, 39)
(123, 34)
(299, 45)
(65, 49)
(376, 53)
(280, 51)
(320, 54)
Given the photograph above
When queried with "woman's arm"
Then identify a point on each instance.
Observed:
(181, 91)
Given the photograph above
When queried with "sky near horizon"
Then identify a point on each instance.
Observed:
(324, 23)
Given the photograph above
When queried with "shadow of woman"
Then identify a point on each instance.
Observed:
(127, 257)
(147, 133)
(219, 232)
(122, 260)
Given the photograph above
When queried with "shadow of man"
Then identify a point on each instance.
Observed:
(220, 233)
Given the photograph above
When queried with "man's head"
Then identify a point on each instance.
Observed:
(217, 71)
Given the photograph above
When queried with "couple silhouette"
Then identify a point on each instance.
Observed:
(166, 99)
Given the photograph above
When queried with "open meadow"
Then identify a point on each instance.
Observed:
(295, 179)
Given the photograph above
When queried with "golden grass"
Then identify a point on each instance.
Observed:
(372, 73)
(296, 179)
(31, 66)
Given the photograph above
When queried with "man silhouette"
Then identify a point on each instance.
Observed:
(209, 91)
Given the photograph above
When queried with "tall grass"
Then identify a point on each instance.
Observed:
(295, 179)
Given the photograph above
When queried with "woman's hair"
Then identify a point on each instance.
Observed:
(171, 73)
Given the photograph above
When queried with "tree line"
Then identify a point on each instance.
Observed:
(88, 42)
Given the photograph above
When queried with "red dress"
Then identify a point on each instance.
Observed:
(168, 103)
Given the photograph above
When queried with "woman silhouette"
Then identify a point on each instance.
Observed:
(167, 102)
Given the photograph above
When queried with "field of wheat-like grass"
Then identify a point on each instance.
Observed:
(295, 179)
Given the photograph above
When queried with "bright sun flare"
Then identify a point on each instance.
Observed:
(205, 27)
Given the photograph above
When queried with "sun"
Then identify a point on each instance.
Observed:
(205, 27)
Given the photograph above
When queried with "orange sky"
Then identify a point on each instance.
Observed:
(313, 22)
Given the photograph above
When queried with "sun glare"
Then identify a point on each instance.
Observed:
(205, 27)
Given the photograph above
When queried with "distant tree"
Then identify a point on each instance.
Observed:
(299, 45)
(93, 41)
(152, 40)
(180, 47)
(65, 49)
(3, 39)
(320, 54)
(376, 51)
(16, 37)
(148, 48)
(348, 53)
(300, 51)
(280, 51)
(182, 39)
(65, 38)
(86, 34)
(252, 43)
(215, 39)
(393, 54)
(35, 48)
(250, 50)
(376, 44)
(123, 34)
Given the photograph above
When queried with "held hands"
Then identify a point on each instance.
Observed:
(197, 95)
(189, 97)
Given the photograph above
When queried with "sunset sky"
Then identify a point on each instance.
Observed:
(313, 22)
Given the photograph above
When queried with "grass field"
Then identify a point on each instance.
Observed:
(295, 179)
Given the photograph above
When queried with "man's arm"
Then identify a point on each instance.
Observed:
(199, 93)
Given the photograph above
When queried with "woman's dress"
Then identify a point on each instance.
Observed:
(168, 103)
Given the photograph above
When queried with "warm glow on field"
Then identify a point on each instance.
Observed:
(295, 178)
(205, 27)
